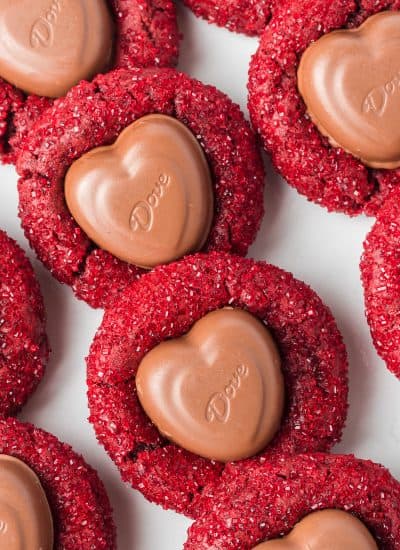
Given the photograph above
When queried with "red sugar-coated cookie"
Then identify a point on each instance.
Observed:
(95, 114)
(80, 508)
(259, 501)
(245, 16)
(24, 348)
(146, 35)
(326, 175)
(165, 304)
(380, 274)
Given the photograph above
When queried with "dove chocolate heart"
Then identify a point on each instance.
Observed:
(48, 46)
(148, 198)
(25, 518)
(350, 83)
(325, 530)
(218, 391)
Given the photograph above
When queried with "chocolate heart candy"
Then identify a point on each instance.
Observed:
(350, 82)
(148, 198)
(326, 530)
(25, 518)
(48, 46)
(217, 391)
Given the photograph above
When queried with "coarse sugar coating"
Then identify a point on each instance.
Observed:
(259, 501)
(94, 114)
(23, 341)
(165, 304)
(324, 174)
(146, 35)
(380, 274)
(80, 507)
(245, 16)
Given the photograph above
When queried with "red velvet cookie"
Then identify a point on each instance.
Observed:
(380, 275)
(146, 34)
(79, 505)
(23, 340)
(165, 304)
(245, 16)
(324, 174)
(260, 501)
(94, 114)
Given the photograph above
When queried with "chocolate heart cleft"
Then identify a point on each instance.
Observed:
(325, 530)
(25, 518)
(48, 46)
(218, 391)
(350, 83)
(148, 198)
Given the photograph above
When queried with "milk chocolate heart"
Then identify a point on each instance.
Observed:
(148, 198)
(326, 530)
(350, 82)
(217, 391)
(48, 46)
(25, 518)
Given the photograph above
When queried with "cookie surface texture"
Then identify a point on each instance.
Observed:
(244, 16)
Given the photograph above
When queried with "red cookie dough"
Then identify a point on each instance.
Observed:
(165, 304)
(80, 508)
(246, 16)
(94, 114)
(324, 174)
(380, 274)
(24, 348)
(259, 501)
(146, 35)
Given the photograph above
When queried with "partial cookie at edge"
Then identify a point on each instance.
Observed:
(147, 35)
(326, 175)
(260, 501)
(380, 274)
(23, 341)
(80, 507)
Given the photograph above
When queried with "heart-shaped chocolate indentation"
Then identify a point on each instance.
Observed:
(350, 82)
(48, 46)
(25, 518)
(325, 530)
(148, 198)
(218, 391)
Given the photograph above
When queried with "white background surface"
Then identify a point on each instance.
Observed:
(320, 248)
